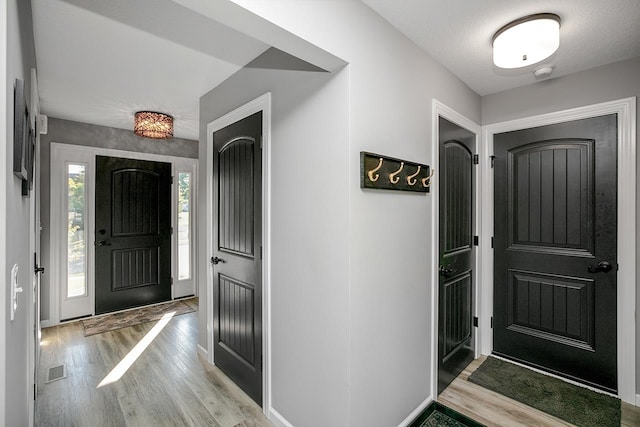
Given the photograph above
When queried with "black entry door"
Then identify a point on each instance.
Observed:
(455, 300)
(555, 249)
(237, 255)
(133, 233)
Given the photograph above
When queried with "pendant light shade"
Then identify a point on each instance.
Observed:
(526, 41)
(150, 124)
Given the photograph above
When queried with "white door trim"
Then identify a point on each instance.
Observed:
(626, 334)
(262, 103)
(441, 110)
(61, 154)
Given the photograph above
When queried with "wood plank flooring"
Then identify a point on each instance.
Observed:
(493, 409)
(168, 385)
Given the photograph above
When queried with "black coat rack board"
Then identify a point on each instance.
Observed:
(389, 173)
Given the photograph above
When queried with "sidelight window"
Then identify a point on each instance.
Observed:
(76, 231)
(184, 225)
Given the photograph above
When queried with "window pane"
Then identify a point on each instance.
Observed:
(184, 231)
(76, 236)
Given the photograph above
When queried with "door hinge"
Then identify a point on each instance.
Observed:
(617, 267)
(261, 142)
(172, 281)
(261, 362)
(493, 161)
(476, 159)
(171, 230)
(172, 180)
(260, 252)
(491, 242)
(476, 240)
(491, 322)
(35, 391)
(475, 321)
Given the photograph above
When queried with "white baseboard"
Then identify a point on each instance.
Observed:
(202, 352)
(46, 324)
(638, 400)
(276, 418)
(413, 415)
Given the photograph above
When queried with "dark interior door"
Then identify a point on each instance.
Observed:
(455, 297)
(133, 233)
(237, 255)
(555, 249)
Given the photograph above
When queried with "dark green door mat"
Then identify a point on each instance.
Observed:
(571, 403)
(438, 415)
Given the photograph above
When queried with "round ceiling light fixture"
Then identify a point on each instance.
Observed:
(526, 41)
(151, 124)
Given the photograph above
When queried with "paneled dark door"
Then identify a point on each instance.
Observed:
(237, 254)
(455, 300)
(555, 249)
(133, 233)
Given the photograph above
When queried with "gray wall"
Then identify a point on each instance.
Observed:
(607, 83)
(14, 374)
(384, 305)
(75, 133)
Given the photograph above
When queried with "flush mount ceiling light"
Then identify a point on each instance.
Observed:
(526, 41)
(150, 124)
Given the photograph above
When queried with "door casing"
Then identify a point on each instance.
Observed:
(441, 110)
(626, 111)
(262, 103)
(62, 153)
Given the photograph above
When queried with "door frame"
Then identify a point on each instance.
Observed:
(262, 103)
(61, 154)
(626, 276)
(441, 110)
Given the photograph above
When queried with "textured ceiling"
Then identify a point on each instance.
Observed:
(101, 61)
(457, 33)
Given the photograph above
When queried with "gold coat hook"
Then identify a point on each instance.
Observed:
(426, 182)
(372, 171)
(411, 179)
(393, 177)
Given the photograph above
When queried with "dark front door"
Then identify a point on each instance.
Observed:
(455, 300)
(555, 249)
(237, 254)
(133, 233)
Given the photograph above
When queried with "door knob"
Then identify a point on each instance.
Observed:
(104, 243)
(604, 266)
(37, 269)
(216, 260)
(446, 272)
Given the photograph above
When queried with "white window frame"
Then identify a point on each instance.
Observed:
(186, 287)
(61, 154)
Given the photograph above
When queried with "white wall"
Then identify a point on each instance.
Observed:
(610, 82)
(15, 342)
(309, 246)
(388, 318)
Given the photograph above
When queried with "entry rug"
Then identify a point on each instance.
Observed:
(124, 319)
(571, 403)
(438, 415)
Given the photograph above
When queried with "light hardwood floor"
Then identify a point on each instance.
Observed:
(168, 385)
(493, 409)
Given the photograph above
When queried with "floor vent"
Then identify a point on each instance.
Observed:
(56, 373)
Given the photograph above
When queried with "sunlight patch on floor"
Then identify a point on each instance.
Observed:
(124, 365)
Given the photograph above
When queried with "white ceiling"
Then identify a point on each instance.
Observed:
(101, 61)
(458, 33)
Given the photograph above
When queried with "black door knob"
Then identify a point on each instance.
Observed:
(104, 243)
(603, 266)
(446, 272)
(216, 260)
(38, 269)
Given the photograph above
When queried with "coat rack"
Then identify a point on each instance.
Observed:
(388, 173)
